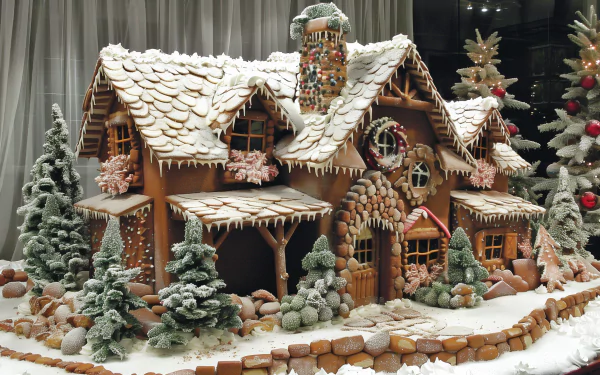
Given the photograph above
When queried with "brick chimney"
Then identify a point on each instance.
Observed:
(322, 66)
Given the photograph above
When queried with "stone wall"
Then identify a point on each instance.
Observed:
(381, 352)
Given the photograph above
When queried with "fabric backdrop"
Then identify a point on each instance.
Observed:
(48, 50)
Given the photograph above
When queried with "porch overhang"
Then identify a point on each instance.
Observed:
(105, 206)
(252, 207)
(493, 205)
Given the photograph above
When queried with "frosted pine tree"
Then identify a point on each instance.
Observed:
(577, 141)
(318, 298)
(193, 301)
(107, 299)
(483, 78)
(53, 174)
(463, 271)
(564, 221)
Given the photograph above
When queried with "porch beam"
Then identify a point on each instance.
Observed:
(418, 105)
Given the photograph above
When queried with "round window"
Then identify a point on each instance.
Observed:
(386, 143)
(420, 175)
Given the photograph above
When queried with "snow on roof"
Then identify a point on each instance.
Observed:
(507, 160)
(180, 103)
(249, 207)
(471, 117)
(106, 206)
(492, 205)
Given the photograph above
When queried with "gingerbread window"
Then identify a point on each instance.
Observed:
(364, 252)
(386, 143)
(420, 177)
(249, 135)
(423, 251)
(493, 246)
(420, 174)
(121, 139)
(480, 149)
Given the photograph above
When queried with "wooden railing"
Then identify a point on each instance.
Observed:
(365, 284)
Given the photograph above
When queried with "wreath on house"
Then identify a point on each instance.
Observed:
(385, 144)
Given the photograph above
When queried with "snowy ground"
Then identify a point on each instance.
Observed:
(545, 355)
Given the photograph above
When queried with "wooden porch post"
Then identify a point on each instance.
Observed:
(278, 244)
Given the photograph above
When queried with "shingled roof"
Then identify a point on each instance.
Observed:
(180, 103)
(495, 205)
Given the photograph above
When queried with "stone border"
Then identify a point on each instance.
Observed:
(381, 355)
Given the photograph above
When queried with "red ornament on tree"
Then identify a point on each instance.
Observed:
(592, 128)
(572, 107)
(587, 82)
(499, 92)
(588, 200)
(512, 129)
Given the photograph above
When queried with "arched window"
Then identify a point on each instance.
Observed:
(420, 174)
(364, 252)
(386, 143)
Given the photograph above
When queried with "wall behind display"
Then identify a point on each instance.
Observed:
(48, 50)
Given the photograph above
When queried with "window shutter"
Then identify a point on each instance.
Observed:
(479, 244)
(510, 245)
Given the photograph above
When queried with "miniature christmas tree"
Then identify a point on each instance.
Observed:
(318, 298)
(548, 260)
(53, 175)
(464, 274)
(193, 301)
(483, 79)
(107, 299)
(578, 126)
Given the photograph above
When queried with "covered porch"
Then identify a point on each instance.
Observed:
(267, 209)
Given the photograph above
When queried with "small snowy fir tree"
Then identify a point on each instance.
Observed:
(564, 220)
(548, 260)
(337, 19)
(522, 184)
(193, 301)
(577, 141)
(464, 272)
(483, 79)
(318, 298)
(53, 174)
(107, 299)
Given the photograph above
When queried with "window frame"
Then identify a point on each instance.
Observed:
(249, 136)
(418, 164)
(360, 252)
(417, 253)
(388, 136)
(480, 148)
(491, 248)
(116, 140)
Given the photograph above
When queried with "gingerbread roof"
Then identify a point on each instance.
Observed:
(473, 116)
(450, 161)
(493, 205)
(370, 68)
(249, 207)
(425, 213)
(181, 103)
(507, 160)
(106, 206)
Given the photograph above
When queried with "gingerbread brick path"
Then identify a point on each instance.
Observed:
(375, 353)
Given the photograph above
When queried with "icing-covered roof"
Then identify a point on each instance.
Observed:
(493, 205)
(180, 103)
(105, 205)
(249, 207)
(506, 159)
(472, 116)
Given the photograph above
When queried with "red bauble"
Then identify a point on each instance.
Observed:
(588, 200)
(512, 129)
(592, 128)
(499, 92)
(588, 82)
(572, 107)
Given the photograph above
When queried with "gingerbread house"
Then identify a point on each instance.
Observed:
(367, 153)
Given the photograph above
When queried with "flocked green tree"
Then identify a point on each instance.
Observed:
(107, 298)
(317, 298)
(463, 269)
(577, 141)
(337, 19)
(193, 301)
(564, 221)
(53, 174)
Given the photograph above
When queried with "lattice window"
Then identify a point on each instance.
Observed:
(386, 143)
(364, 251)
(493, 246)
(121, 139)
(424, 251)
(420, 174)
(249, 135)
(480, 149)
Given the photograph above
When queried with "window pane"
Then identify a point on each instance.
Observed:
(239, 143)
(423, 246)
(497, 252)
(489, 240)
(422, 259)
(257, 127)
(434, 244)
(241, 127)
(498, 240)
(256, 144)
(412, 259)
(386, 143)
(412, 246)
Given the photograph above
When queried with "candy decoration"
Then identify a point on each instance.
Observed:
(588, 82)
(588, 200)
(572, 107)
(592, 128)
(499, 92)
